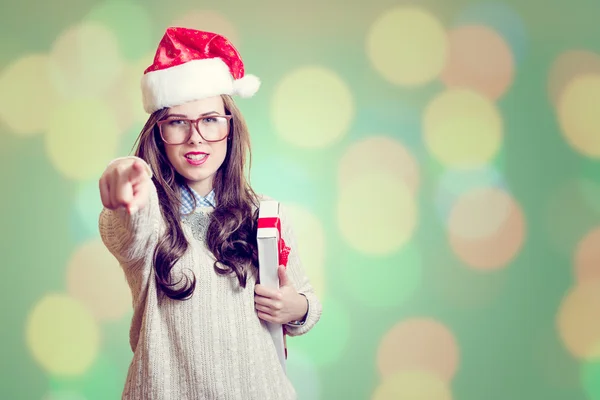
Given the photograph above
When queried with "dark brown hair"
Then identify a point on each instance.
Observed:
(231, 235)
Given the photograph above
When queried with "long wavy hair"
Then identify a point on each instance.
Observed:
(231, 235)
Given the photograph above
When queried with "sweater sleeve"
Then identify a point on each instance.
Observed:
(131, 238)
(296, 273)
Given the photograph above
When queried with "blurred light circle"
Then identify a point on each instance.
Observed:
(479, 59)
(397, 55)
(312, 107)
(462, 129)
(578, 114)
(380, 204)
(62, 335)
(27, 96)
(578, 322)
(419, 344)
(95, 278)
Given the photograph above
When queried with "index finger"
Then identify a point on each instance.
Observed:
(137, 172)
(268, 292)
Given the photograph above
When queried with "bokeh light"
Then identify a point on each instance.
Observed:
(403, 272)
(95, 278)
(62, 335)
(462, 129)
(85, 61)
(383, 206)
(83, 137)
(421, 344)
(578, 322)
(567, 66)
(478, 59)
(578, 114)
(480, 212)
(587, 258)
(312, 243)
(500, 17)
(487, 228)
(27, 96)
(312, 107)
(397, 56)
(413, 385)
(129, 21)
(454, 182)
(379, 154)
(210, 21)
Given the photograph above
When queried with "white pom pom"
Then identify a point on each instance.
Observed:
(246, 86)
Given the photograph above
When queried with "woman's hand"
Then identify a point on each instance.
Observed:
(281, 305)
(125, 183)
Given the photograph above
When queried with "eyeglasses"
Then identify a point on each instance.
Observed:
(212, 128)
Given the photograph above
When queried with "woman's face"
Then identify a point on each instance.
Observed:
(196, 160)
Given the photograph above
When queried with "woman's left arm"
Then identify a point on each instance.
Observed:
(295, 304)
(298, 278)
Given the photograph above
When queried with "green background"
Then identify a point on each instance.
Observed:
(406, 316)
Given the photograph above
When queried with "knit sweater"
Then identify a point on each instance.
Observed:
(212, 346)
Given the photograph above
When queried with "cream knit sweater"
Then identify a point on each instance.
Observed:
(212, 346)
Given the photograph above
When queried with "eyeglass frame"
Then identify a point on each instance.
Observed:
(194, 124)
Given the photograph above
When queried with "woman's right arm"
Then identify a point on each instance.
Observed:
(129, 222)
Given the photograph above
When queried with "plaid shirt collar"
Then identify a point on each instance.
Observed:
(187, 200)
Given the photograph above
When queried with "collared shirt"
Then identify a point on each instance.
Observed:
(187, 200)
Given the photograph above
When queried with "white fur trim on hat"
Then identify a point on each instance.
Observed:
(194, 80)
(246, 86)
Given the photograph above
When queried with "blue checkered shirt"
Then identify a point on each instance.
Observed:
(187, 200)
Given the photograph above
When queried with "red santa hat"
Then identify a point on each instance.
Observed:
(191, 65)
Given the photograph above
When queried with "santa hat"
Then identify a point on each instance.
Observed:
(191, 65)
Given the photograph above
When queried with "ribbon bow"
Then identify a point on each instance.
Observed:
(284, 251)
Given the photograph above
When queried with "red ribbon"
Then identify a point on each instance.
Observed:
(274, 222)
(284, 252)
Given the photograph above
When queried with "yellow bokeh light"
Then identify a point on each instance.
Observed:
(62, 335)
(95, 278)
(412, 385)
(376, 213)
(82, 138)
(578, 322)
(578, 114)
(379, 153)
(462, 128)
(407, 46)
(27, 96)
(312, 107)
(85, 61)
(567, 66)
(310, 236)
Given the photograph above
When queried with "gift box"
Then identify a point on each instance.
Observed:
(272, 252)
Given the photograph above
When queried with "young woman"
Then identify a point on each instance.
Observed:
(181, 219)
